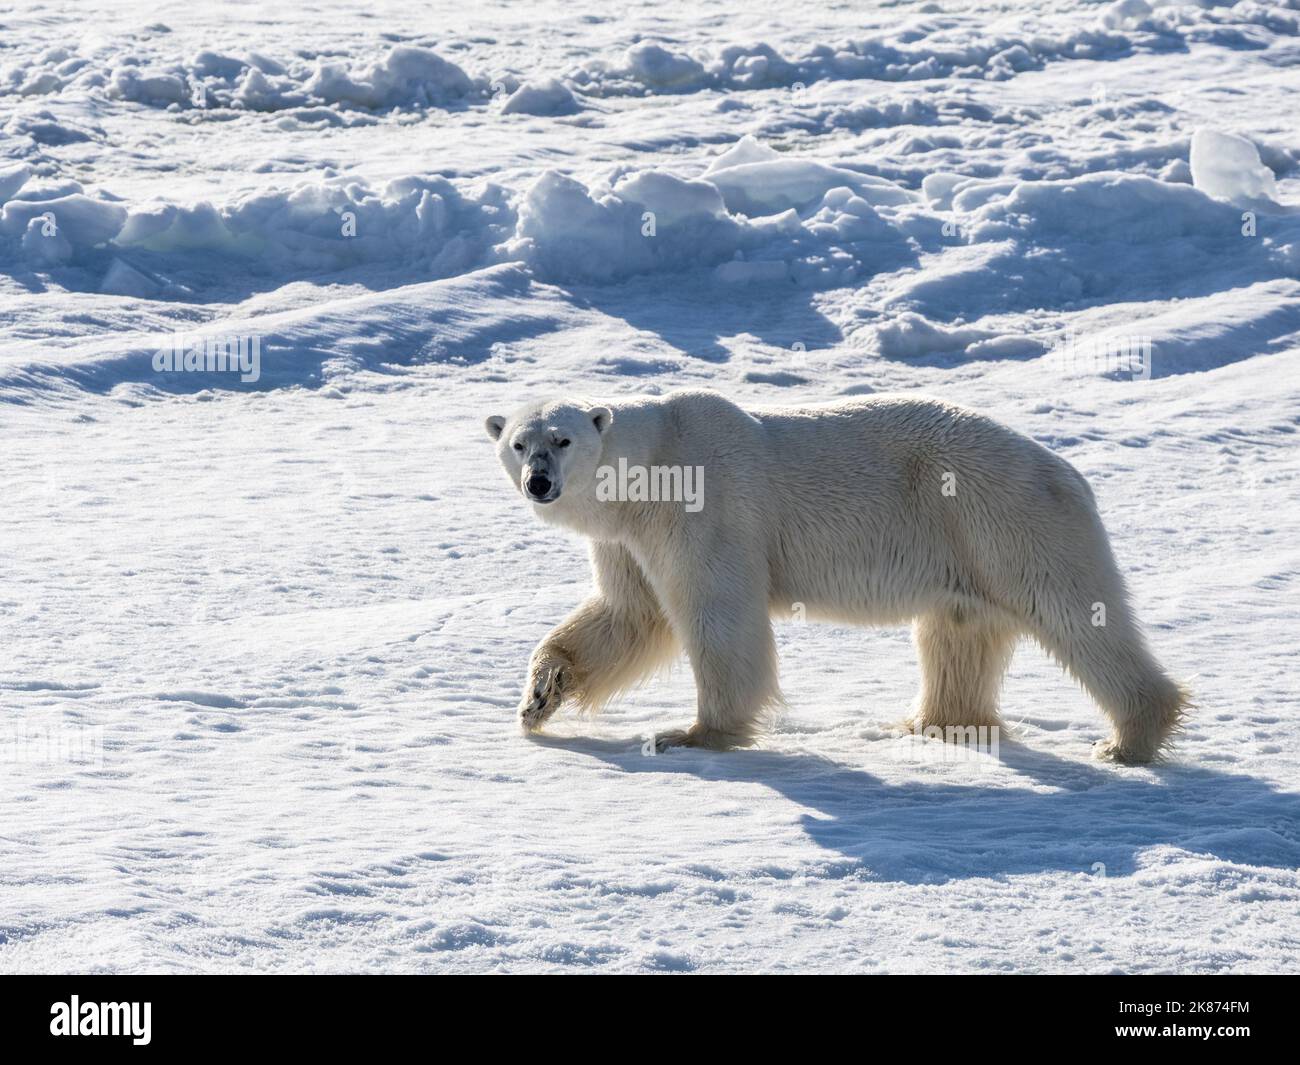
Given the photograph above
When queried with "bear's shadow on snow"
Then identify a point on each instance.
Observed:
(1094, 821)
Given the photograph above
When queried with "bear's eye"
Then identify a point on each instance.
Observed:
(519, 447)
(561, 443)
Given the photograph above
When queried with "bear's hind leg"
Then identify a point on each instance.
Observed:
(963, 660)
(1145, 705)
(1082, 615)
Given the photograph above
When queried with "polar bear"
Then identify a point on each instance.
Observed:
(880, 510)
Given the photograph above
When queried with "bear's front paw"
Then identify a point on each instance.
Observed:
(695, 736)
(1113, 751)
(543, 695)
(678, 737)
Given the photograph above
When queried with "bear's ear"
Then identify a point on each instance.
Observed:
(494, 425)
(600, 418)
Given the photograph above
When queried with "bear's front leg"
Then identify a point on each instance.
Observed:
(720, 613)
(612, 640)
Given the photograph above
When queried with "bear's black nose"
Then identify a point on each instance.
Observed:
(538, 485)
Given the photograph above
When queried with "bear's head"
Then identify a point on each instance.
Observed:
(551, 449)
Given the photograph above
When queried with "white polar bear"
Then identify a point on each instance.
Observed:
(872, 511)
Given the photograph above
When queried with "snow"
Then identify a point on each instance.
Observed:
(265, 633)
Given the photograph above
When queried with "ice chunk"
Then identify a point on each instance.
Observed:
(405, 76)
(1228, 167)
(215, 65)
(41, 84)
(657, 68)
(746, 150)
(757, 189)
(13, 178)
(911, 336)
(1125, 14)
(754, 66)
(973, 193)
(671, 198)
(845, 218)
(257, 92)
(83, 221)
(42, 190)
(1124, 208)
(332, 224)
(653, 220)
(155, 89)
(44, 245)
(169, 228)
(1007, 346)
(1177, 172)
(143, 224)
(937, 188)
(547, 96)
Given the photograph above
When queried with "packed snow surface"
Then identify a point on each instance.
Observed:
(265, 622)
